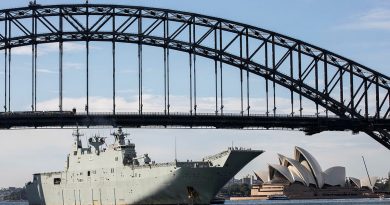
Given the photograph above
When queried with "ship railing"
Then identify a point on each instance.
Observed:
(168, 164)
(49, 174)
(242, 149)
(178, 164)
(216, 156)
(193, 164)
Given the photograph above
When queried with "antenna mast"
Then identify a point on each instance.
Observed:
(175, 151)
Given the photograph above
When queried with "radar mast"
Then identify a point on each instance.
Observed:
(119, 137)
(77, 143)
(97, 141)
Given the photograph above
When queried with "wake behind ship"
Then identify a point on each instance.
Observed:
(116, 175)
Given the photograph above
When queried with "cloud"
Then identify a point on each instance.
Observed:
(74, 66)
(373, 19)
(24, 50)
(48, 48)
(125, 70)
(155, 103)
(48, 71)
(18, 172)
(71, 47)
(126, 91)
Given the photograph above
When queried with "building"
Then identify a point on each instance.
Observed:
(303, 169)
(303, 177)
(246, 180)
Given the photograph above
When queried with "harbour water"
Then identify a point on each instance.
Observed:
(287, 202)
(314, 202)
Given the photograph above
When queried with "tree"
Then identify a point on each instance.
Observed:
(236, 190)
(18, 194)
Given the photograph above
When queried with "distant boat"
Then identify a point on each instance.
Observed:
(278, 197)
(217, 200)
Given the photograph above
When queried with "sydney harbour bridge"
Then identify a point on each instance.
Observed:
(343, 94)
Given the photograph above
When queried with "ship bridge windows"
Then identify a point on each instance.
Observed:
(57, 181)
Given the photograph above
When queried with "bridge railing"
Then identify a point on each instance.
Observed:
(37, 113)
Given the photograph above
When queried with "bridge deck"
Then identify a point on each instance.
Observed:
(233, 121)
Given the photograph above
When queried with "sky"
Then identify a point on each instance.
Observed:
(356, 29)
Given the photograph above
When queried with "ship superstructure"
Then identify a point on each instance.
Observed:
(117, 175)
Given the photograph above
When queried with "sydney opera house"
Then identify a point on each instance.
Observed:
(303, 177)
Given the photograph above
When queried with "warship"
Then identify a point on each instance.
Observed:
(116, 175)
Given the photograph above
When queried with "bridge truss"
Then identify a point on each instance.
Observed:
(346, 94)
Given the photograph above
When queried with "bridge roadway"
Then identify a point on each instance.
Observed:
(309, 124)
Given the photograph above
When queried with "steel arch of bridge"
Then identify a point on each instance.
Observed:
(347, 87)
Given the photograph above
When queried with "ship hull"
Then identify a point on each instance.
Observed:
(171, 183)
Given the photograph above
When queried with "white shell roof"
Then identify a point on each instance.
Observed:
(282, 170)
(262, 175)
(365, 182)
(334, 176)
(315, 168)
(298, 169)
(296, 176)
(306, 170)
(355, 181)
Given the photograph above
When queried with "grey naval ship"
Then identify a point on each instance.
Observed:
(115, 175)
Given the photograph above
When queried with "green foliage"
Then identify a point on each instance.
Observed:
(236, 190)
(383, 187)
(19, 194)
